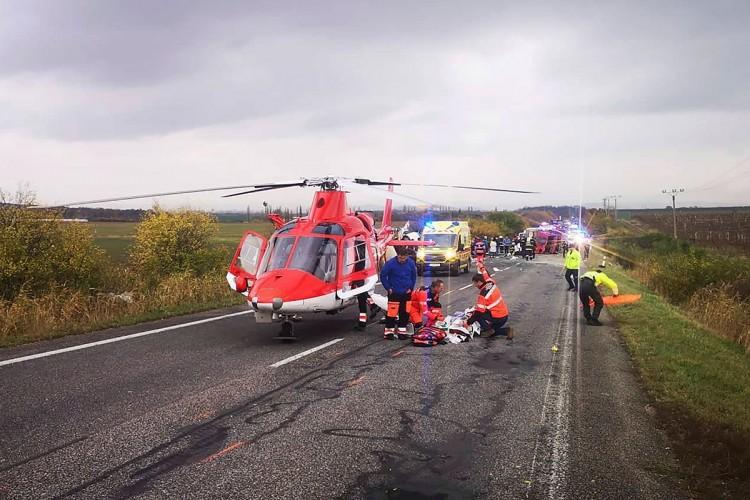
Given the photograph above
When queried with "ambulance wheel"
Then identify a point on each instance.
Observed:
(466, 269)
(454, 270)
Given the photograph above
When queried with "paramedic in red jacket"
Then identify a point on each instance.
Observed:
(425, 302)
(490, 310)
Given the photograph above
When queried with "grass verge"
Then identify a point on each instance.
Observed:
(66, 312)
(700, 384)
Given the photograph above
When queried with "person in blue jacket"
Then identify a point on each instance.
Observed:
(398, 277)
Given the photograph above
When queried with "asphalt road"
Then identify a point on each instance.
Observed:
(199, 412)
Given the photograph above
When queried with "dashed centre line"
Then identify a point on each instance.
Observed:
(305, 353)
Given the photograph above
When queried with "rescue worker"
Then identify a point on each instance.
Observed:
(490, 310)
(479, 250)
(529, 248)
(425, 304)
(588, 290)
(572, 265)
(363, 299)
(398, 277)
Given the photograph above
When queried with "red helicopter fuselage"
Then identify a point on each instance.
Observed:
(318, 263)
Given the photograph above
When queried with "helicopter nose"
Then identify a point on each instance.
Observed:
(278, 289)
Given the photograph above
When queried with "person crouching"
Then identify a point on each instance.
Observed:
(490, 310)
(425, 303)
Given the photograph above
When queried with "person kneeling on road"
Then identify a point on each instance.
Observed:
(589, 291)
(490, 310)
(425, 303)
(398, 277)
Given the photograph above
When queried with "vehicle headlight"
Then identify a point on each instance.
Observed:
(450, 254)
(420, 254)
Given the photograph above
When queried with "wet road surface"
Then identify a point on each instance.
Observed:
(198, 411)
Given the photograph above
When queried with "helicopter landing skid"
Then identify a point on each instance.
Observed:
(287, 331)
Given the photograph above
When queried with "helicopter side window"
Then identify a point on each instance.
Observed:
(356, 257)
(316, 256)
(249, 253)
(279, 253)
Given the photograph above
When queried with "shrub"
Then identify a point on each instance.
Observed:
(507, 222)
(171, 242)
(39, 251)
(481, 227)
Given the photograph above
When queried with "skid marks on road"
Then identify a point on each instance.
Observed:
(409, 460)
(240, 425)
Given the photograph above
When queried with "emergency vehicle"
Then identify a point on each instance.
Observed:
(451, 252)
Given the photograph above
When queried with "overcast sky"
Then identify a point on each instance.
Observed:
(574, 99)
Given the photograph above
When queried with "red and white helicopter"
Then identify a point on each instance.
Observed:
(317, 263)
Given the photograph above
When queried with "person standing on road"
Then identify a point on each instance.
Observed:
(363, 299)
(479, 250)
(490, 310)
(529, 248)
(398, 277)
(572, 265)
(493, 247)
(588, 290)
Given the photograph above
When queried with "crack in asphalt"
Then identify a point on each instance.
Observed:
(413, 469)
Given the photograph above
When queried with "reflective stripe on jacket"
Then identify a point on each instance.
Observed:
(602, 279)
(490, 299)
(573, 259)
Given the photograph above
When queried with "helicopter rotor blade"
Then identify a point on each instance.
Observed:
(368, 182)
(383, 193)
(264, 187)
(267, 187)
(142, 196)
(472, 187)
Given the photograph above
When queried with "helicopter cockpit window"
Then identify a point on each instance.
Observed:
(328, 228)
(286, 228)
(279, 251)
(356, 257)
(316, 256)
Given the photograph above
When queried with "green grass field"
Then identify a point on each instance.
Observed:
(116, 237)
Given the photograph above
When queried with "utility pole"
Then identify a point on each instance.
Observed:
(673, 193)
(614, 197)
(604, 204)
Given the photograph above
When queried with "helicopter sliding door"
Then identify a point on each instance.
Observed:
(357, 274)
(244, 266)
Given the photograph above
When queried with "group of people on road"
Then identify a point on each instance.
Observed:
(493, 246)
(421, 306)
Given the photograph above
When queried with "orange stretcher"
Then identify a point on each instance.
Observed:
(611, 300)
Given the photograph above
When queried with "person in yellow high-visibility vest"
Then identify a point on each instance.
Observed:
(572, 265)
(588, 290)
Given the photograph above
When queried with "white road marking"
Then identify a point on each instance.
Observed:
(465, 287)
(302, 354)
(117, 339)
(556, 393)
